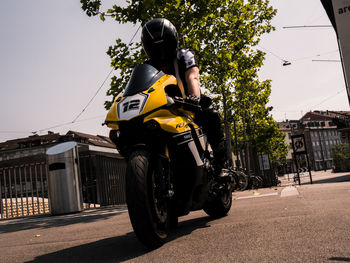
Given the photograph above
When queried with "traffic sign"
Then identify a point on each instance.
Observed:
(298, 143)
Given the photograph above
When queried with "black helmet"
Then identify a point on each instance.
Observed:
(159, 40)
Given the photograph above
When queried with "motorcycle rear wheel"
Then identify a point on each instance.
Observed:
(148, 210)
(242, 181)
(220, 205)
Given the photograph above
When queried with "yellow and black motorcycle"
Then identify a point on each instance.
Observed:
(169, 162)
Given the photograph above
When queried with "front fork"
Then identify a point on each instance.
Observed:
(167, 182)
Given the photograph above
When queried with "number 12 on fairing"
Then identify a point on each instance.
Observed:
(131, 106)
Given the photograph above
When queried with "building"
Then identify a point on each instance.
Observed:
(288, 127)
(321, 135)
(322, 131)
(36, 145)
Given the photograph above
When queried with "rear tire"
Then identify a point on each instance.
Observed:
(148, 211)
(242, 181)
(220, 205)
(255, 182)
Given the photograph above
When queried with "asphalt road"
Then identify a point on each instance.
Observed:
(310, 223)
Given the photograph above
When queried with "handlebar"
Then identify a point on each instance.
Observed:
(186, 105)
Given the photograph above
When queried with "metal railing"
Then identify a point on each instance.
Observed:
(103, 180)
(23, 190)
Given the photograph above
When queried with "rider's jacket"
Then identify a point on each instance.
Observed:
(184, 61)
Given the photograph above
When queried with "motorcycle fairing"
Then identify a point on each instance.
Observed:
(128, 107)
(150, 103)
(169, 122)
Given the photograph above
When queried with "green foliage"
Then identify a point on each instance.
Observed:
(218, 32)
(250, 106)
(222, 34)
(341, 152)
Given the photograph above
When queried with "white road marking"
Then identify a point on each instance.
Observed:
(289, 191)
(255, 196)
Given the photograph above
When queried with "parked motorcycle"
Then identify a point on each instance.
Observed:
(169, 163)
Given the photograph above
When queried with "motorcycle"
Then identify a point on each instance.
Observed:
(169, 162)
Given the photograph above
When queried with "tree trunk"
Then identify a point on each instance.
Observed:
(227, 131)
(247, 151)
(237, 164)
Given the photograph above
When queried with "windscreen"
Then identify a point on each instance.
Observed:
(142, 77)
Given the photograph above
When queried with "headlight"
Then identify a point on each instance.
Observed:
(152, 125)
(114, 136)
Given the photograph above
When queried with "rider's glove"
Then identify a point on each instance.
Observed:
(192, 99)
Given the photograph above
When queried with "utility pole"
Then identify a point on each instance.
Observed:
(236, 143)
(322, 155)
(227, 129)
(294, 156)
(246, 144)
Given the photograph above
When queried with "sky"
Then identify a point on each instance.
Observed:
(53, 61)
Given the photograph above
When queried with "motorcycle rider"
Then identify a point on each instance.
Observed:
(160, 42)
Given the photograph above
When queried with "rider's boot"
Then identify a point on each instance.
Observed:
(222, 174)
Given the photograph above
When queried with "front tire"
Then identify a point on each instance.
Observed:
(148, 209)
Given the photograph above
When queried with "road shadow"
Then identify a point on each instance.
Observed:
(334, 178)
(47, 221)
(339, 259)
(116, 249)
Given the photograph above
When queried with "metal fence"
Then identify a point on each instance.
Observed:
(111, 174)
(23, 190)
(103, 181)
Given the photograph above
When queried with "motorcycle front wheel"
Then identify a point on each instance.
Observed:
(147, 206)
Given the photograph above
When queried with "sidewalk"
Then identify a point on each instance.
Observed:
(287, 182)
(318, 177)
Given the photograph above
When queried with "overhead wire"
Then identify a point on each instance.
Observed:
(297, 59)
(90, 101)
(328, 98)
(98, 90)
(313, 108)
(68, 123)
(306, 26)
(325, 60)
(318, 55)
(270, 52)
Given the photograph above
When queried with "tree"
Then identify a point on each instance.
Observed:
(341, 152)
(221, 33)
(262, 129)
(341, 157)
